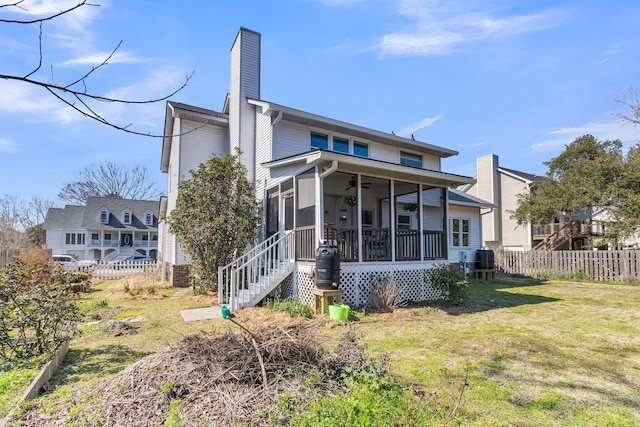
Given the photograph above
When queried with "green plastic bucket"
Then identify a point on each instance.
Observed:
(338, 312)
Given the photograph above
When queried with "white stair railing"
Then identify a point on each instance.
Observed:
(249, 278)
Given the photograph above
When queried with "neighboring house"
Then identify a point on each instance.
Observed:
(501, 187)
(381, 198)
(602, 216)
(104, 229)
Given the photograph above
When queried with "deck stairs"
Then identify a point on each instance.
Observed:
(561, 239)
(246, 280)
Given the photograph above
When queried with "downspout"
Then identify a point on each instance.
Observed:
(320, 199)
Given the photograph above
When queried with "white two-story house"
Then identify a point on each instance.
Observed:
(382, 199)
(104, 229)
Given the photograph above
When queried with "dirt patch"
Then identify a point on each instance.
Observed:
(137, 287)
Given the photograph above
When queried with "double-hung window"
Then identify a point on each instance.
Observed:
(459, 232)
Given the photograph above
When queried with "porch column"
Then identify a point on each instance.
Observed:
(392, 223)
(359, 215)
(320, 176)
(421, 221)
(319, 209)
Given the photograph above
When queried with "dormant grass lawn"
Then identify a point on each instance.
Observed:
(537, 353)
(534, 353)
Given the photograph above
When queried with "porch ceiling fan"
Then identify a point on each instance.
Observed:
(354, 181)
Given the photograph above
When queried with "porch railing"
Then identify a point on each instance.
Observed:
(376, 244)
(306, 243)
(247, 279)
(435, 244)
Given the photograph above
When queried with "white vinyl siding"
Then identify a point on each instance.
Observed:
(512, 233)
(290, 139)
(198, 144)
(263, 151)
(431, 162)
(383, 152)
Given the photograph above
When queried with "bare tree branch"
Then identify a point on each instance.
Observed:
(632, 103)
(76, 94)
(46, 18)
(40, 57)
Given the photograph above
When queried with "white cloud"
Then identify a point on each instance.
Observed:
(439, 29)
(74, 20)
(602, 131)
(6, 145)
(411, 129)
(37, 103)
(98, 58)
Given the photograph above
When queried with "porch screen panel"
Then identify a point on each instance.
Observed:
(341, 214)
(407, 224)
(305, 215)
(434, 223)
(376, 239)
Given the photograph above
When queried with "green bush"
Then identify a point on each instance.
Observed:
(38, 309)
(371, 400)
(449, 280)
(291, 306)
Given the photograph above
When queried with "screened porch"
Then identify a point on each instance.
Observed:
(369, 218)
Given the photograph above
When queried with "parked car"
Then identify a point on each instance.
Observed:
(70, 263)
(87, 263)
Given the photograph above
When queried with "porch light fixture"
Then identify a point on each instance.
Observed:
(410, 207)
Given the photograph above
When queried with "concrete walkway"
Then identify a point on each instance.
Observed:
(205, 313)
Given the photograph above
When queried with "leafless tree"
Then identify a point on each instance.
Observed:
(631, 102)
(110, 180)
(74, 93)
(21, 221)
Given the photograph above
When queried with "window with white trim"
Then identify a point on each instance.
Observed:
(104, 216)
(459, 232)
(319, 140)
(360, 149)
(410, 159)
(148, 218)
(126, 217)
(339, 144)
(74, 239)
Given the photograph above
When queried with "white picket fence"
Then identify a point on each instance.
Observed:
(108, 271)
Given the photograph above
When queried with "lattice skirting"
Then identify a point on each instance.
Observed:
(357, 280)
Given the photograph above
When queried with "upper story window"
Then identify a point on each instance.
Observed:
(148, 218)
(104, 216)
(410, 159)
(340, 145)
(319, 140)
(361, 149)
(126, 217)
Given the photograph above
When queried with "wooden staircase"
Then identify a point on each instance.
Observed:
(246, 280)
(563, 237)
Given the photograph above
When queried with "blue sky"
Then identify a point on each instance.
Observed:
(519, 79)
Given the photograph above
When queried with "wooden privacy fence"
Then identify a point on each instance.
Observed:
(5, 256)
(606, 266)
